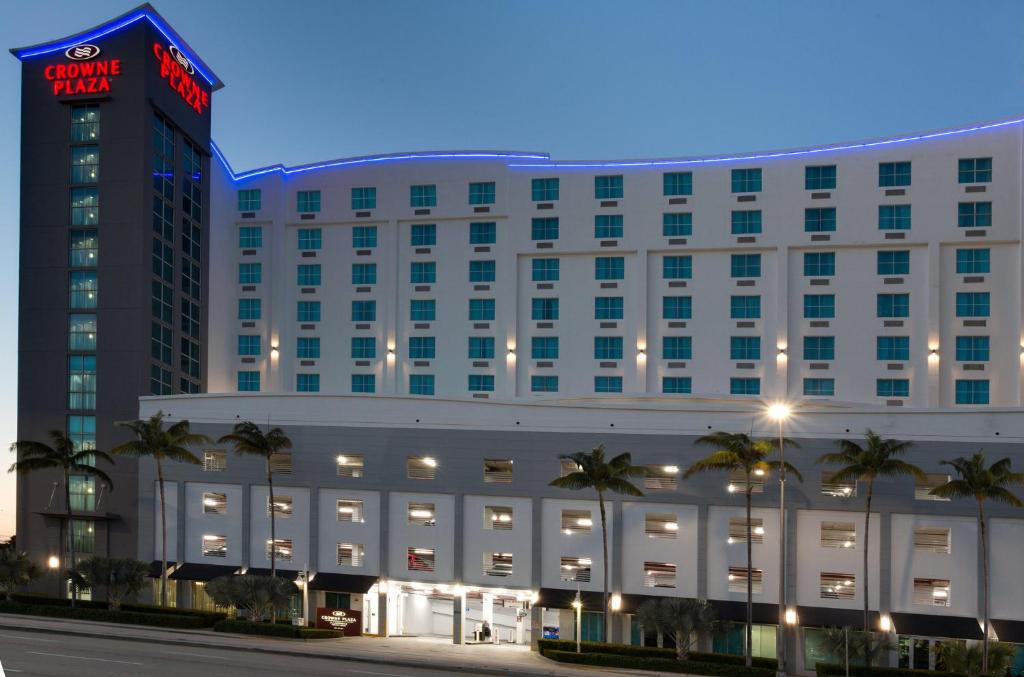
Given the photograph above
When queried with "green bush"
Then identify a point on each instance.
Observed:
(208, 617)
(318, 633)
(829, 669)
(608, 660)
(42, 600)
(273, 630)
(109, 616)
(651, 652)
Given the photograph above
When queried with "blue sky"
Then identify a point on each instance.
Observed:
(320, 79)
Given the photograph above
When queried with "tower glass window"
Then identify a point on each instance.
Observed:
(250, 237)
(85, 206)
(820, 348)
(82, 332)
(608, 308)
(85, 164)
(84, 249)
(85, 123)
(481, 310)
(422, 310)
(82, 382)
(892, 348)
(819, 306)
(83, 289)
(972, 304)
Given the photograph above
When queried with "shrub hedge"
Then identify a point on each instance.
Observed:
(89, 613)
(608, 660)
(829, 669)
(651, 652)
(274, 630)
(208, 617)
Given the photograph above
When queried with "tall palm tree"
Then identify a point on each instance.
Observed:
(594, 472)
(247, 438)
(736, 452)
(877, 458)
(161, 444)
(974, 480)
(61, 454)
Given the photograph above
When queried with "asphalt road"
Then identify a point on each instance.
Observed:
(31, 654)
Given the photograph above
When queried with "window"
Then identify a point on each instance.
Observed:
(248, 344)
(364, 273)
(310, 238)
(820, 177)
(608, 225)
(281, 462)
(249, 200)
(819, 264)
(85, 206)
(738, 530)
(350, 555)
(745, 307)
(163, 260)
(421, 467)
(838, 586)
(893, 305)
(422, 347)
(423, 272)
(481, 271)
(817, 306)
(575, 569)
(661, 478)
(481, 193)
(249, 309)
(160, 343)
(423, 196)
(481, 348)
(82, 431)
(544, 190)
(250, 237)
(607, 384)
(307, 383)
(498, 517)
(608, 308)
(923, 487)
(607, 347)
(894, 217)
(423, 310)
(834, 489)
(308, 311)
(282, 548)
(931, 592)
(349, 465)
(83, 289)
(364, 383)
(677, 225)
(738, 580)
(544, 309)
(421, 384)
(567, 467)
(215, 460)
(85, 123)
(82, 332)
(248, 381)
(420, 559)
(745, 265)
(893, 174)
(609, 268)
(974, 215)
(746, 180)
(677, 267)
(364, 237)
(931, 539)
(972, 261)
(576, 521)
(972, 348)
(838, 534)
(971, 391)
(544, 348)
(975, 170)
(497, 564)
(308, 275)
(746, 222)
(423, 235)
(421, 514)
(282, 506)
(677, 183)
(544, 384)
(483, 233)
(819, 348)
(307, 201)
(364, 348)
(892, 387)
(481, 383)
(84, 250)
(892, 348)
(215, 546)
(744, 347)
(661, 525)
(481, 309)
(250, 273)
(498, 471)
(676, 307)
(972, 304)
(85, 164)
(820, 220)
(894, 262)
(364, 198)
(676, 385)
(744, 386)
(659, 575)
(81, 382)
(608, 187)
(545, 270)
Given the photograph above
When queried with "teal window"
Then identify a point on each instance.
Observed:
(544, 190)
(364, 311)
(423, 196)
(249, 200)
(607, 347)
(249, 309)
(746, 222)
(608, 187)
(894, 262)
(820, 220)
(677, 267)
(422, 347)
(481, 271)
(607, 384)
(975, 170)
(308, 311)
(307, 383)
(308, 274)
(818, 348)
(893, 174)
(82, 382)
(84, 249)
(544, 384)
(364, 383)
(364, 348)
(85, 206)
(250, 237)
(972, 304)
(481, 193)
(421, 384)
(819, 306)
(819, 387)
(676, 183)
(83, 289)
(676, 307)
(483, 233)
(892, 348)
(160, 343)
(85, 164)
(481, 383)
(893, 305)
(544, 348)
(307, 348)
(544, 228)
(745, 307)
(677, 347)
(744, 347)
(745, 265)
(364, 198)
(894, 217)
(608, 225)
(746, 180)
(307, 201)
(423, 235)
(820, 177)
(971, 391)
(364, 237)
(82, 431)
(248, 381)
(677, 224)
(972, 348)
(248, 345)
(744, 386)
(676, 385)
(310, 238)
(892, 387)
(609, 268)
(972, 261)
(608, 308)
(364, 273)
(85, 122)
(82, 490)
(423, 272)
(481, 348)
(974, 215)
(545, 270)
(544, 309)
(819, 264)
(481, 310)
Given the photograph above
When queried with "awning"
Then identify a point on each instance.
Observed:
(928, 625)
(1009, 631)
(764, 614)
(155, 567)
(341, 582)
(289, 574)
(76, 515)
(825, 617)
(190, 571)
(560, 598)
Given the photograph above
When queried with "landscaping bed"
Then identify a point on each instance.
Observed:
(828, 670)
(274, 630)
(209, 618)
(92, 613)
(652, 658)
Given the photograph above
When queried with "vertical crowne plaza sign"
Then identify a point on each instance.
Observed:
(180, 75)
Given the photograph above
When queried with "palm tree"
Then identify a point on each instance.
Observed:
(594, 472)
(120, 577)
(974, 480)
(160, 444)
(15, 569)
(683, 620)
(877, 458)
(64, 456)
(736, 452)
(247, 438)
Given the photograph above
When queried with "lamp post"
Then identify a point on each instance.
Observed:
(779, 412)
(577, 604)
(54, 564)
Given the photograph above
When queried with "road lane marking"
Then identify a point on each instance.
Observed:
(82, 658)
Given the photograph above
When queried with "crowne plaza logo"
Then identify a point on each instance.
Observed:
(82, 52)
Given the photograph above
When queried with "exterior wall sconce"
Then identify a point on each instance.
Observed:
(274, 352)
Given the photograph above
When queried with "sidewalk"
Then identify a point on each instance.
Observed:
(413, 652)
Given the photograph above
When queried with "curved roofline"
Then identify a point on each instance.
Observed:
(144, 11)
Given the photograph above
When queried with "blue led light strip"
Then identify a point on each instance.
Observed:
(107, 30)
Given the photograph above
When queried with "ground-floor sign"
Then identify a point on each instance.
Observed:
(346, 621)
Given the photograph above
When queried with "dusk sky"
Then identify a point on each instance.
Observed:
(319, 79)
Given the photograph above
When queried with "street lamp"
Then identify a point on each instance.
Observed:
(779, 412)
(577, 604)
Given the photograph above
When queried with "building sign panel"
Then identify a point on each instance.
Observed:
(85, 74)
(180, 75)
(346, 621)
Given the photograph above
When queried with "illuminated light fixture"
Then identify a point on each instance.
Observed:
(847, 544)
(885, 623)
(422, 551)
(779, 411)
(671, 526)
(790, 616)
(209, 501)
(731, 488)
(585, 522)
(759, 531)
(458, 590)
(346, 510)
(567, 532)
(511, 351)
(208, 537)
(342, 460)
(429, 461)
(505, 518)
(534, 597)
(847, 490)
(759, 472)
(53, 562)
(585, 561)
(670, 469)
(616, 602)
(576, 604)
(420, 513)
(382, 586)
(730, 541)
(732, 577)
(273, 350)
